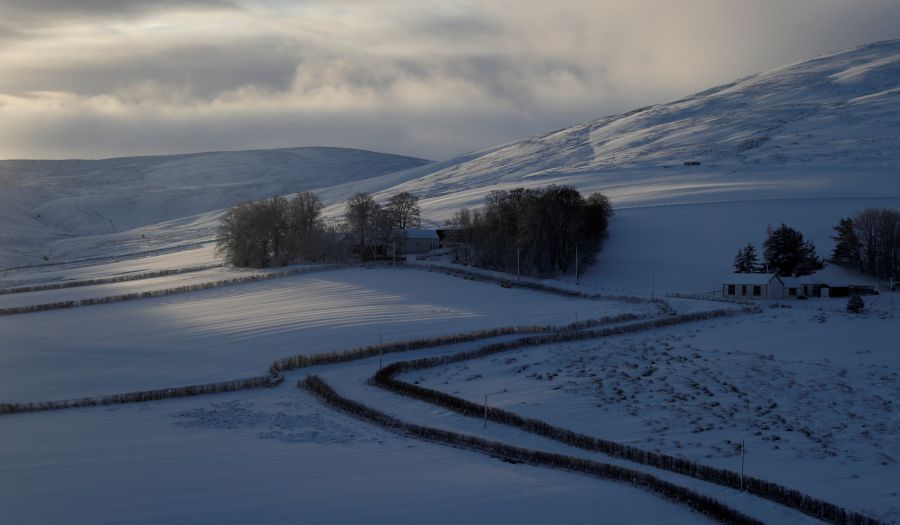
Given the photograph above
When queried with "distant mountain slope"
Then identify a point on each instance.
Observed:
(805, 144)
(42, 201)
(838, 112)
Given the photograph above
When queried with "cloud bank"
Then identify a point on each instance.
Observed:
(97, 78)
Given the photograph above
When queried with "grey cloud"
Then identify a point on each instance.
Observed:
(403, 76)
(197, 70)
(47, 9)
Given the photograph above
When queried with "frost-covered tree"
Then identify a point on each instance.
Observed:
(788, 253)
(746, 259)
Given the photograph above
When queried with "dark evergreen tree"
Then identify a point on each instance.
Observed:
(788, 253)
(746, 260)
(847, 245)
(855, 304)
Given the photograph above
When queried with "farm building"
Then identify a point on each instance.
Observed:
(753, 286)
(413, 241)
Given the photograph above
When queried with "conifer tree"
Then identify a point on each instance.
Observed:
(788, 253)
(746, 260)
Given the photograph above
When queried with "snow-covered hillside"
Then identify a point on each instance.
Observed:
(839, 112)
(44, 201)
(805, 144)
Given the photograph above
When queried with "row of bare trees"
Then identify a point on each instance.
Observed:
(534, 231)
(278, 231)
(870, 242)
(374, 226)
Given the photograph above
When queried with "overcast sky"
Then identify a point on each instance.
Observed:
(101, 78)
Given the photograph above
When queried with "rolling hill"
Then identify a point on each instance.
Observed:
(84, 202)
(803, 144)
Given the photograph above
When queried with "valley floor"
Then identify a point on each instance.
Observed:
(811, 391)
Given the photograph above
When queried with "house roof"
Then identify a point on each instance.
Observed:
(792, 282)
(410, 233)
(750, 278)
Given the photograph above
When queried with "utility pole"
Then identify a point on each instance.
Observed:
(652, 279)
(380, 351)
(742, 465)
(485, 411)
(576, 264)
(518, 266)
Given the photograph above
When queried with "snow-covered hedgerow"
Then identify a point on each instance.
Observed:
(306, 360)
(107, 280)
(167, 291)
(508, 282)
(144, 395)
(817, 508)
(706, 505)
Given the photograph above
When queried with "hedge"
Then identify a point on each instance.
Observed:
(107, 280)
(164, 292)
(791, 498)
(706, 505)
(144, 395)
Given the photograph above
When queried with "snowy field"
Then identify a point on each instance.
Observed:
(813, 393)
(239, 330)
(278, 456)
(204, 255)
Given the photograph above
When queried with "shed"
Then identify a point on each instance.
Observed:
(753, 286)
(413, 241)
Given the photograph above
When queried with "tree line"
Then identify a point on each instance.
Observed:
(868, 241)
(537, 232)
(786, 253)
(279, 231)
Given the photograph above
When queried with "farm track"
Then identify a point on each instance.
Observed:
(536, 335)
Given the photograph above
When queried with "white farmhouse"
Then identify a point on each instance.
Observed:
(753, 286)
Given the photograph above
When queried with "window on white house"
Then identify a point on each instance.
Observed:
(757, 291)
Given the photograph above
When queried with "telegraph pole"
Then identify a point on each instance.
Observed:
(380, 350)
(576, 264)
(652, 279)
(485, 411)
(742, 465)
(518, 266)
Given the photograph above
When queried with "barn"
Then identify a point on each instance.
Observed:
(413, 241)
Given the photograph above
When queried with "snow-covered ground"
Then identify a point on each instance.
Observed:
(237, 331)
(278, 456)
(812, 392)
(811, 389)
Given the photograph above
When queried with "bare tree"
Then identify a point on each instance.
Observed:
(360, 215)
(252, 234)
(404, 211)
(305, 226)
